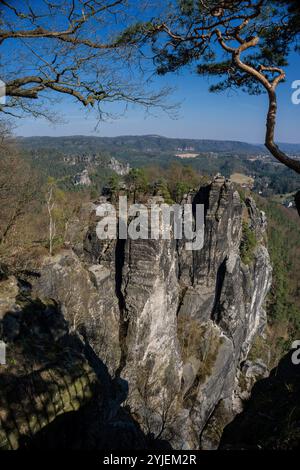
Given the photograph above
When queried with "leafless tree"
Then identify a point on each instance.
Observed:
(6, 132)
(18, 188)
(155, 407)
(67, 47)
(50, 207)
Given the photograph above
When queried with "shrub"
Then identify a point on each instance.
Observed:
(248, 244)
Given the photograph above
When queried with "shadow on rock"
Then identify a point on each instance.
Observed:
(55, 391)
(271, 418)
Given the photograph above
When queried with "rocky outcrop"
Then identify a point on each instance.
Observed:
(120, 168)
(172, 326)
(270, 420)
(55, 392)
(82, 179)
(87, 298)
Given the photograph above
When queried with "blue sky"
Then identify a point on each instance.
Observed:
(230, 115)
(203, 115)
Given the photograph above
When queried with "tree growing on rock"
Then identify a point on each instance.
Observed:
(114, 184)
(137, 182)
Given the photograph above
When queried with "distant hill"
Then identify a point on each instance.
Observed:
(48, 154)
(145, 143)
(290, 148)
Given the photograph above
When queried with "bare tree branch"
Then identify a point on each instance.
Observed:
(73, 48)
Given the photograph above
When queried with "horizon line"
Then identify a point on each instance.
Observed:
(150, 135)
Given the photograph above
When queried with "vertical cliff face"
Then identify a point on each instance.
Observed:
(172, 325)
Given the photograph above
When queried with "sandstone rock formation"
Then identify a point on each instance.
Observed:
(82, 179)
(55, 392)
(173, 327)
(120, 168)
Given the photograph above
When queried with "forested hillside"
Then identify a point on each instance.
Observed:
(207, 157)
(283, 305)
